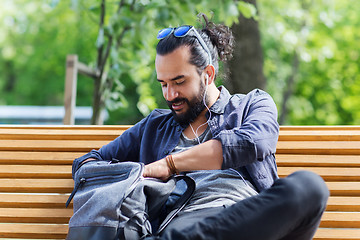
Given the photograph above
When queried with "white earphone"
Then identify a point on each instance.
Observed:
(206, 87)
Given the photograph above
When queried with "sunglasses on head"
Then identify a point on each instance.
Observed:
(182, 31)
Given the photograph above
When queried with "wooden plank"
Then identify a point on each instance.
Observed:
(33, 231)
(70, 89)
(344, 188)
(320, 135)
(340, 220)
(33, 201)
(58, 201)
(320, 127)
(337, 234)
(328, 173)
(50, 145)
(9, 185)
(35, 215)
(59, 231)
(319, 147)
(43, 215)
(66, 186)
(54, 134)
(39, 158)
(35, 171)
(293, 160)
(343, 204)
(68, 127)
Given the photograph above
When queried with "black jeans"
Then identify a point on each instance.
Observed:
(290, 209)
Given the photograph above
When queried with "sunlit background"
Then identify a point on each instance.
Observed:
(308, 56)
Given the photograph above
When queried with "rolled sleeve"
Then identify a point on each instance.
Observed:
(236, 147)
(254, 135)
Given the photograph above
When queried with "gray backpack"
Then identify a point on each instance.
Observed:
(113, 201)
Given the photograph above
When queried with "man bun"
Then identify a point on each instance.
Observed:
(220, 36)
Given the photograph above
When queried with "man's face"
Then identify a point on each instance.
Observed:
(182, 86)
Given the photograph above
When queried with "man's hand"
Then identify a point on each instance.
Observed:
(158, 169)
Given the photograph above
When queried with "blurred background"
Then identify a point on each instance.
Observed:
(305, 53)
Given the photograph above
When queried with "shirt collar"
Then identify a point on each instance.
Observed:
(219, 106)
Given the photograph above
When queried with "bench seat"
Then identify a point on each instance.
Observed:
(35, 174)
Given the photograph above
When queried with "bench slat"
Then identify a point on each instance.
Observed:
(66, 127)
(50, 145)
(35, 171)
(35, 215)
(343, 204)
(33, 201)
(69, 134)
(33, 231)
(328, 173)
(337, 234)
(340, 220)
(18, 230)
(66, 186)
(313, 135)
(319, 147)
(58, 201)
(45, 215)
(319, 128)
(344, 188)
(39, 158)
(294, 160)
(36, 185)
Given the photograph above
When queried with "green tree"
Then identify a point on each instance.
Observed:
(312, 56)
(35, 38)
(126, 45)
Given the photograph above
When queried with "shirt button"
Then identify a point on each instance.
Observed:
(166, 152)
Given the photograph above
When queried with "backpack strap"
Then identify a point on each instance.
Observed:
(181, 202)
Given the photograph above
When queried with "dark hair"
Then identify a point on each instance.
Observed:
(217, 37)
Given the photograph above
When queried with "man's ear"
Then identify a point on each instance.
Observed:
(210, 71)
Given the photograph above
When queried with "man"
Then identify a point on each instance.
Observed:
(226, 143)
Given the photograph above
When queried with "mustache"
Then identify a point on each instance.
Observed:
(177, 100)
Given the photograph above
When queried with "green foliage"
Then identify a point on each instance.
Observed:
(135, 24)
(35, 38)
(325, 37)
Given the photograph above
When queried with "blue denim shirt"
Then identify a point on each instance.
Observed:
(246, 126)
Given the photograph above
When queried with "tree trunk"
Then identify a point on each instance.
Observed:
(10, 76)
(288, 92)
(245, 69)
(97, 103)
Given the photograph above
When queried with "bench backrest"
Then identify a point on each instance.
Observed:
(35, 174)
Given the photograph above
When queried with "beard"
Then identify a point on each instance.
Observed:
(196, 106)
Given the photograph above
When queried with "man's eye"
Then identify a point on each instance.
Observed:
(180, 82)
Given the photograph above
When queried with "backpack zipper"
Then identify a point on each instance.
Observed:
(104, 176)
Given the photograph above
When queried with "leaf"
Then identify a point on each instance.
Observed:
(248, 10)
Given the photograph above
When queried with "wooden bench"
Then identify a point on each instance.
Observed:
(35, 174)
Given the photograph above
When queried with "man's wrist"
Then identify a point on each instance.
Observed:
(171, 164)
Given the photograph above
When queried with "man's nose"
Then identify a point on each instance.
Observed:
(171, 93)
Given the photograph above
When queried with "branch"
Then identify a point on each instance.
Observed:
(121, 36)
(101, 28)
(106, 55)
(121, 4)
(118, 40)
